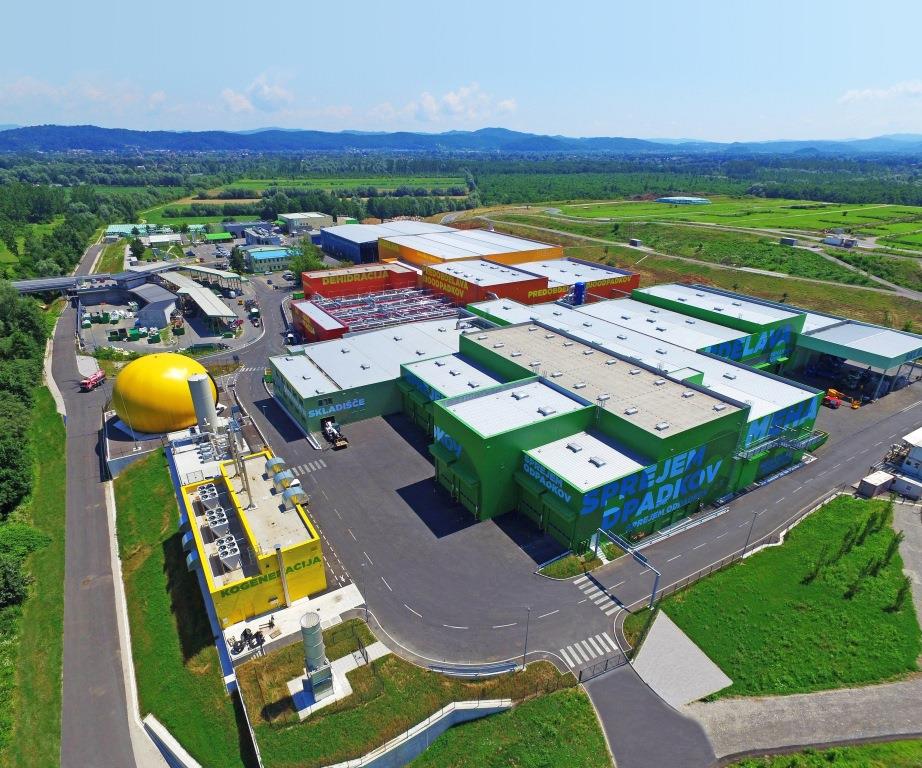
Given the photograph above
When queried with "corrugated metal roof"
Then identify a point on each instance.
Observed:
(587, 460)
(303, 376)
(210, 304)
(500, 411)
(452, 375)
(482, 272)
(317, 315)
(467, 244)
(152, 293)
(737, 306)
(367, 233)
(914, 438)
(883, 342)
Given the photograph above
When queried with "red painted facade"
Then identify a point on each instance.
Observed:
(352, 281)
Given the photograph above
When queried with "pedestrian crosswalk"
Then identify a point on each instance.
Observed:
(311, 466)
(591, 649)
(605, 602)
(249, 369)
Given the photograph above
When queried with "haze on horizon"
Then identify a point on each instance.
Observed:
(712, 70)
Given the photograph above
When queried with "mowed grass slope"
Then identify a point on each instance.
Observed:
(894, 754)
(389, 696)
(559, 729)
(34, 669)
(819, 612)
(176, 664)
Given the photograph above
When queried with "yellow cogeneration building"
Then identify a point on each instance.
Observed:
(151, 394)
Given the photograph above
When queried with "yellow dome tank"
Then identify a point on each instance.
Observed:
(151, 394)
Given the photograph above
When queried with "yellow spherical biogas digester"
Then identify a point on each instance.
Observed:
(151, 394)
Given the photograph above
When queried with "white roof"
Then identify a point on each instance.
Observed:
(713, 301)
(686, 331)
(368, 358)
(496, 412)
(569, 272)
(452, 375)
(209, 271)
(304, 215)
(303, 376)
(366, 233)
(467, 243)
(814, 321)
(586, 460)
(317, 315)
(883, 342)
(914, 438)
(764, 394)
(210, 304)
(170, 238)
(482, 272)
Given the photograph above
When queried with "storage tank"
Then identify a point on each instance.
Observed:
(579, 293)
(201, 388)
(312, 637)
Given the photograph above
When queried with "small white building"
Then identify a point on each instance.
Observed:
(295, 223)
(912, 464)
(164, 239)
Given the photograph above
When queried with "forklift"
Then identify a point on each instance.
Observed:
(333, 433)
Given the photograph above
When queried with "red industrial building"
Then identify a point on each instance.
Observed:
(351, 281)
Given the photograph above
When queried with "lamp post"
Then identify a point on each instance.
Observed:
(749, 535)
(525, 645)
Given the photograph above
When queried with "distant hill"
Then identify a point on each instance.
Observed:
(50, 138)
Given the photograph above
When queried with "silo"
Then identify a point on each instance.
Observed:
(202, 399)
(312, 636)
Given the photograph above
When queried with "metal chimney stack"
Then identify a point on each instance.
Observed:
(200, 388)
(319, 674)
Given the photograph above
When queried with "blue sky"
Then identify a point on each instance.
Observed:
(705, 69)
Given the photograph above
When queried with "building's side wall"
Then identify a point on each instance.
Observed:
(520, 257)
(339, 247)
(311, 330)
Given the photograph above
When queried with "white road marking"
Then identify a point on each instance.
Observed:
(723, 534)
(580, 580)
(351, 534)
(673, 558)
(452, 626)
(700, 545)
(613, 609)
(588, 649)
(503, 626)
(836, 466)
(616, 585)
(575, 649)
(551, 613)
(412, 611)
(582, 601)
(386, 584)
(337, 514)
(742, 524)
(566, 658)
(367, 557)
(611, 642)
(598, 646)
(798, 488)
(779, 499)
(602, 598)
(322, 463)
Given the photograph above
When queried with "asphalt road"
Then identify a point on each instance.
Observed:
(94, 710)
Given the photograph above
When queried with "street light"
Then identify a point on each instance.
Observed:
(525, 646)
(749, 535)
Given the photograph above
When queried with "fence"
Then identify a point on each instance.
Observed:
(606, 665)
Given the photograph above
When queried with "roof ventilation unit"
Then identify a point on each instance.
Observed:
(516, 354)
(588, 352)
(682, 298)
(579, 385)
(612, 361)
(568, 343)
(575, 447)
(454, 372)
(659, 382)
(736, 303)
(344, 350)
(700, 295)
(587, 324)
(634, 371)
(661, 351)
(625, 317)
(420, 352)
(661, 327)
(718, 309)
(630, 411)
(690, 321)
(556, 374)
(556, 313)
(548, 335)
(729, 375)
(547, 410)
(719, 407)
(622, 336)
(498, 345)
(481, 337)
(654, 310)
(398, 338)
(473, 384)
(229, 552)
(651, 319)
(603, 397)
(519, 394)
(662, 426)
(507, 306)
(365, 366)
(532, 328)
(597, 461)
(688, 393)
(439, 363)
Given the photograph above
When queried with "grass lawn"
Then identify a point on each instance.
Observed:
(30, 680)
(389, 696)
(344, 638)
(881, 307)
(178, 674)
(559, 729)
(112, 259)
(893, 754)
(571, 565)
(819, 612)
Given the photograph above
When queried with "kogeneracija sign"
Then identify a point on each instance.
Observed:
(264, 578)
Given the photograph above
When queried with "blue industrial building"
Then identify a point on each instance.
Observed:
(261, 236)
(358, 243)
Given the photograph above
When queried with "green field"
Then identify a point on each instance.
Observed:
(155, 216)
(383, 183)
(112, 258)
(389, 696)
(30, 664)
(732, 249)
(821, 611)
(755, 212)
(559, 729)
(894, 754)
(178, 673)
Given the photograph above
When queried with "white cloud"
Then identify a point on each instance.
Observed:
(236, 102)
(466, 105)
(907, 89)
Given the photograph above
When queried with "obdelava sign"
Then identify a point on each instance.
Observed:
(775, 342)
(655, 491)
(241, 586)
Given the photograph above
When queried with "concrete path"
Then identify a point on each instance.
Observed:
(763, 724)
(908, 519)
(642, 730)
(675, 668)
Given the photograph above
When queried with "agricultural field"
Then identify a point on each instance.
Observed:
(763, 213)
(384, 183)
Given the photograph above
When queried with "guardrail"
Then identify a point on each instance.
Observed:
(475, 670)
